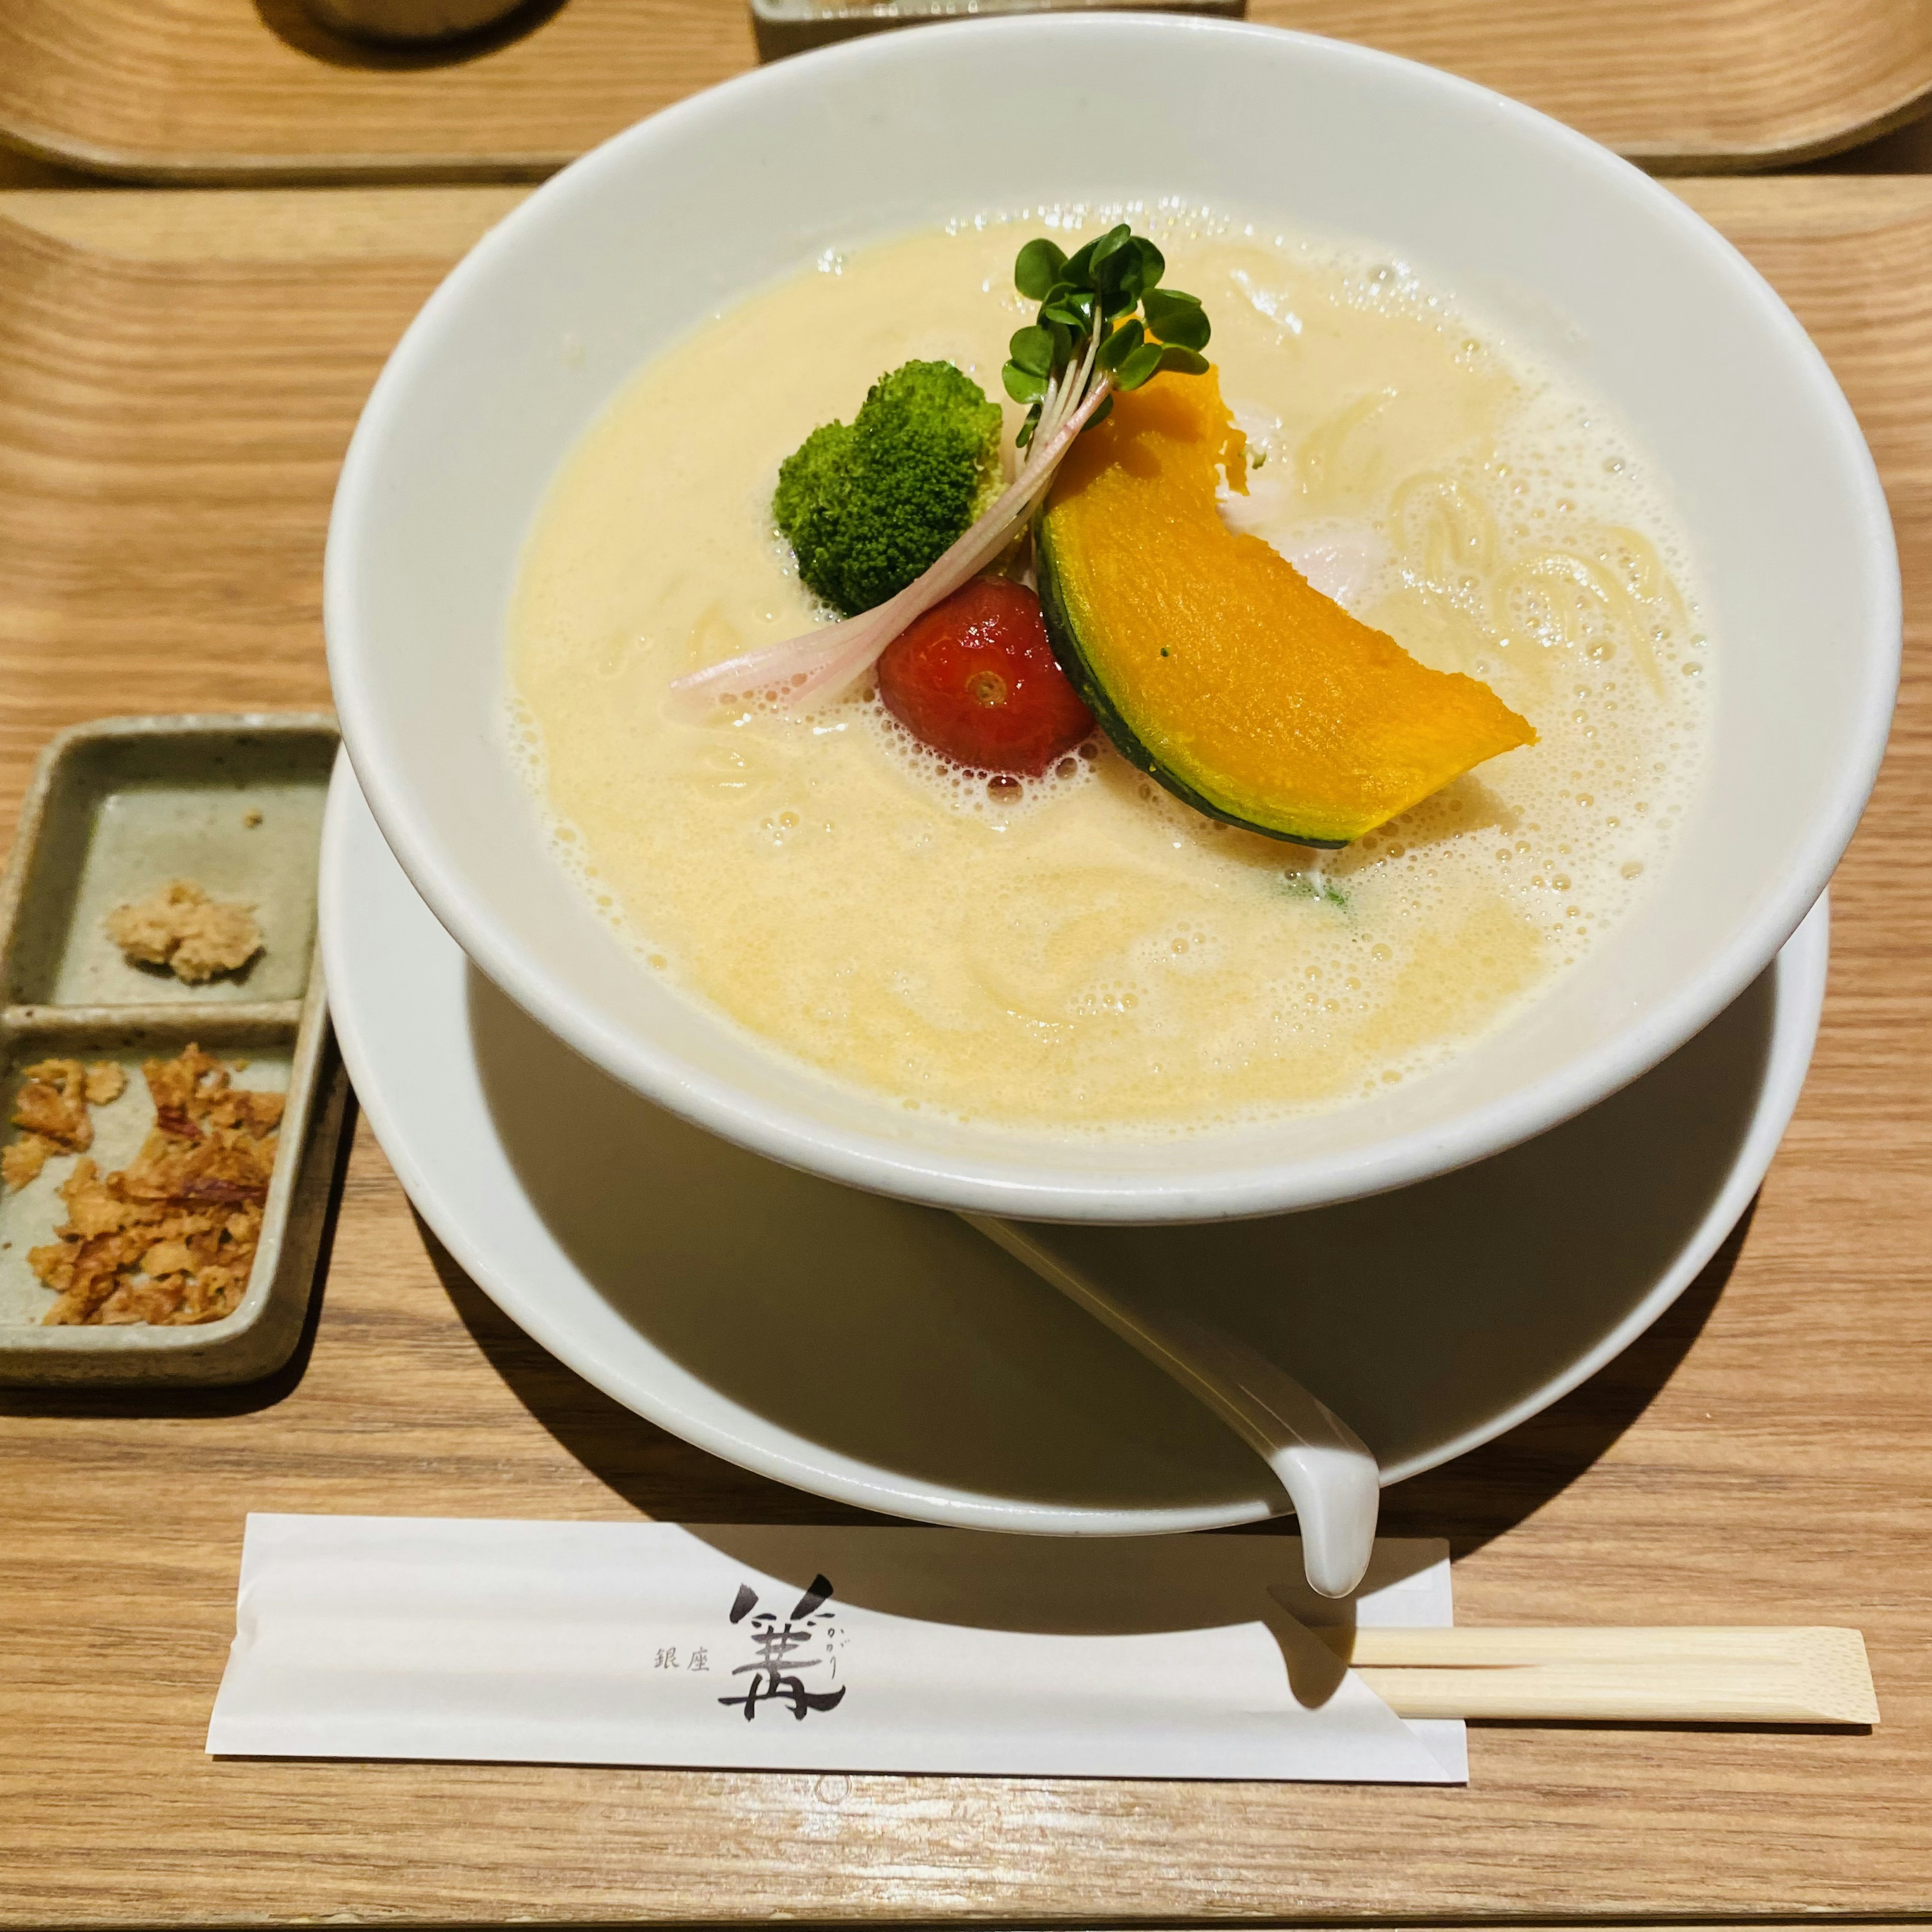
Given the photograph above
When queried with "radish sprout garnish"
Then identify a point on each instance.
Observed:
(1104, 324)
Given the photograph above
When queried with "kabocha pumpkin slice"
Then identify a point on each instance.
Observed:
(1212, 663)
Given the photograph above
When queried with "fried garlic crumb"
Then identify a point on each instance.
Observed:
(251, 818)
(21, 1160)
(51, 1107)
(107, 1081)
(170, 1239)
(52, 1103)
(178, 925)
(51, 1110)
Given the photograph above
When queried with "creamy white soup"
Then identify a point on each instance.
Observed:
(1082, 953)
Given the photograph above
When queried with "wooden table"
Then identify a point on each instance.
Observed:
(177, 378)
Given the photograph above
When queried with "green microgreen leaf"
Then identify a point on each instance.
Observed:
(1040, 265)
(1186, 330)
(1120, 345)
(1136, 367)
(1032, 349)
(1108, 245)
(1023, 385)
(1168, 297)
(1119, 279)
(1073, 311)
(1108, 288)
(1177, 318)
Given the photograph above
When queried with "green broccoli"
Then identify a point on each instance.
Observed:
(869, 508)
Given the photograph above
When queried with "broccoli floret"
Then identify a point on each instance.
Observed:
(869, 507)
(812, 476)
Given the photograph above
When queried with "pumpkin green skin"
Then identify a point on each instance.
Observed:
(1063, 633)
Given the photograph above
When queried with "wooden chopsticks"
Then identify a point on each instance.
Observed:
(1665, 1675)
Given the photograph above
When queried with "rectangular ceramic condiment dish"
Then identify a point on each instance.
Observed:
(116, 808)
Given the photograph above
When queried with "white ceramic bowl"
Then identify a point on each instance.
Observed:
(1596, 267)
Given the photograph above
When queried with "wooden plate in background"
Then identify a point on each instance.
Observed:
(202, 90)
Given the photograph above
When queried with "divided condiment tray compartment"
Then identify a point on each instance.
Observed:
(117, 808)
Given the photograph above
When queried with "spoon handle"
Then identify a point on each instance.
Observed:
(1328, 1471)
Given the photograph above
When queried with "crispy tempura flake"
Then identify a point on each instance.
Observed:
(170, 1239)
(178, 925)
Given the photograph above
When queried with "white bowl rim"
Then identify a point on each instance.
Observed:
(1019, 1188)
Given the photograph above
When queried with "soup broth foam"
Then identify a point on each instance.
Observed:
(1082, 953)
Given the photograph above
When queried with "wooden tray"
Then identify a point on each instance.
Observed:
(177, 382)
(251, 89)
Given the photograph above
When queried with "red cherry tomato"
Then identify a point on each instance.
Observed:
(976, 678)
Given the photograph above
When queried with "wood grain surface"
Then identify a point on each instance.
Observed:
(225, 89)
(178, 376)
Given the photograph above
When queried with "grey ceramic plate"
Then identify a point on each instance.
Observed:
(117, 807)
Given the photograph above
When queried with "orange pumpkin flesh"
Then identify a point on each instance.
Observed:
(1213, 663)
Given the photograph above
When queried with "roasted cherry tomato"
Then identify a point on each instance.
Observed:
(976, 678)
